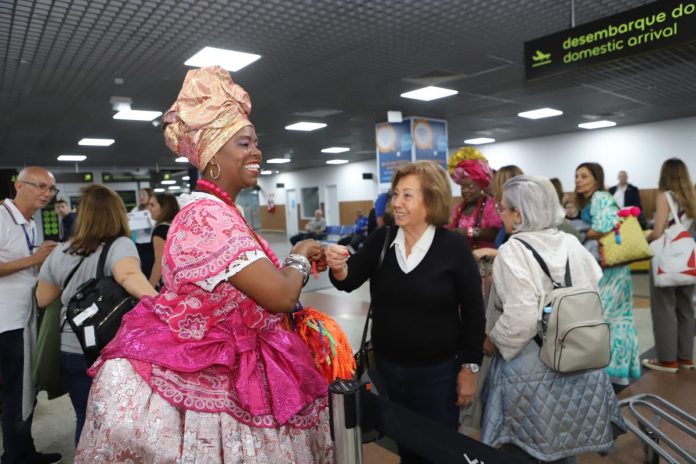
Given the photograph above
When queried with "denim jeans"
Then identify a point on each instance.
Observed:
(73, 373)
(428, 390)
(16, 433)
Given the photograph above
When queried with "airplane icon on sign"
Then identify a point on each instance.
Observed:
(540, 59)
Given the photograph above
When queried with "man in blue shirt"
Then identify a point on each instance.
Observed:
(359, 234)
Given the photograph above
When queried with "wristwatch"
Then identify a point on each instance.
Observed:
(471, 367)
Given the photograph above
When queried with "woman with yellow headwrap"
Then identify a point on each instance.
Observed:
(476, 216)
(208, 371)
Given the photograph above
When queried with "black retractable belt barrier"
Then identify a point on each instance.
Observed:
(428, 438)
(345, 421)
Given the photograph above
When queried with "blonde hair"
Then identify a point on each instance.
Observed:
(435, 186)
(101, 216)
(501, 176)
(674, 177)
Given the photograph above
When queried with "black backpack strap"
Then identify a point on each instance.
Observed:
(102, 258)
(72, 273)
(544, 267)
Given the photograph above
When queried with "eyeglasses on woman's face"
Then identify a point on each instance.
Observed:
(43, 187)
(499, 207)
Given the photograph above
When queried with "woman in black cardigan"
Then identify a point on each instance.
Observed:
(428, 315)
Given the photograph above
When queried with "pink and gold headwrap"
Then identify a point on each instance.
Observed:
(209, 110)
(468, 162)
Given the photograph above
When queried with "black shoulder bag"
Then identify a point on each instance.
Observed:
(96, 309)
(364, 358)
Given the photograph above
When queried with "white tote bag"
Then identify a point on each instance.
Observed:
(674, 263)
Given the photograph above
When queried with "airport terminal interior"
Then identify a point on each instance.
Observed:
(342, 95)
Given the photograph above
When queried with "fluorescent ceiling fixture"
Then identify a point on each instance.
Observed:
(305, 126)
(72, 158)
(137, 115)
(336, 161)
(186, 178)
(429, 93)
(159, 190)
(596, 124)
(479, 141)
(96, 142)
(540, 113)
(278, 160)
(181, 159)
(168, 182)
(174, 187)
(335, 150)
(228, 59)
(266, 172)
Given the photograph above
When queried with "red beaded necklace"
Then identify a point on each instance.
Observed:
(208, 187)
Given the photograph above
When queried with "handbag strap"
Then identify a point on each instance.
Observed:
(544, 267)
(72, 273)
(382, 254)
(672, 206)
(102, 258)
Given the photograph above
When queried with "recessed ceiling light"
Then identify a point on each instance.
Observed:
(429, 93)
(228, 59)
(159, 190)
(335, 150)
(174, 187)
(336, 161)
(596, 124)
(181, 159)
(137, 115)
(168, 182)
(72, 158)
(186, 178)
(278, 160)
(266, 172)
(96, 142)
(540, 113)
(305, 126)
(479, 141)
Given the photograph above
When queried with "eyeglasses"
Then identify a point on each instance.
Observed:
(43, 187)
(500, 208)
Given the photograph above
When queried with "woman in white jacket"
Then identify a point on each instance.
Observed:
(529, 410)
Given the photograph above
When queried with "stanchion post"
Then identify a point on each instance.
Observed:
(345, 421)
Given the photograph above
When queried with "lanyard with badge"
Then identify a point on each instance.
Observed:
(31, 243)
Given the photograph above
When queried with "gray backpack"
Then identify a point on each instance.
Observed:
(574, 336)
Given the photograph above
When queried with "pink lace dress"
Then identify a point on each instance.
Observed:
(489, 218)
(201, 373)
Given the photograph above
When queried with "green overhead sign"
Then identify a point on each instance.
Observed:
(649, 27)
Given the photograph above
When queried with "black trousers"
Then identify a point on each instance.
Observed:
(16, 433)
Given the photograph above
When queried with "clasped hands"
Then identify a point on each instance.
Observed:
(314, 252)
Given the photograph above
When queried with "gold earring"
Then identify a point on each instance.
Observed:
(219, 170)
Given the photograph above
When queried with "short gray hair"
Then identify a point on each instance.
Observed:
(536, 200)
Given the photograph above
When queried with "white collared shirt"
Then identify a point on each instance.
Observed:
(418, 251)
(17, 288)
(620, 195)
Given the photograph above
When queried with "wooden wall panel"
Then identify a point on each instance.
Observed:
(346, 210)
(274, 221)
(647, 200)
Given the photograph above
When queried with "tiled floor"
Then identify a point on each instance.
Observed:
(54, 420)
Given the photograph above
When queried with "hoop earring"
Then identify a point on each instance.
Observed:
(219, 171)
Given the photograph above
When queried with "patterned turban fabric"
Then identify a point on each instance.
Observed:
(469, 163)
(209, 110)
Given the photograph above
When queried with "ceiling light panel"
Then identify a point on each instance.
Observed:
(336, 161)
(229, 59)
(540, 113)
(72, 158)
(278, 160)
(479, 141)
(596, 124)
(181, 159)
(168, 182)
(137, 115)
(305, 126)
(96, 142)
(335, 150)
(429, 93)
